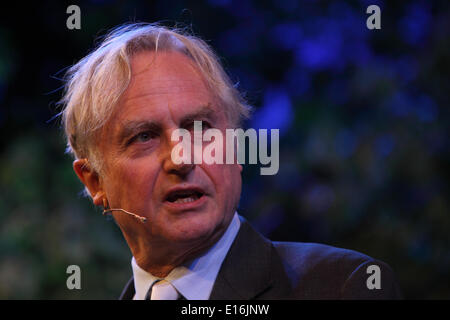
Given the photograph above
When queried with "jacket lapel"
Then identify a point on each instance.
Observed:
(129, 291)
(252, 269)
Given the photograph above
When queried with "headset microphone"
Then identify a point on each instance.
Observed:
(105, 211)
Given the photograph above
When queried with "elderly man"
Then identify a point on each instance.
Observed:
(122, 103)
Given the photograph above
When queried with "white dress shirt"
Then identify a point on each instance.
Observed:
(195, 279)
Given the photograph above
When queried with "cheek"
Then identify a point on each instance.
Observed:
(129, 180)
(233, 188)
(226, 179)
(236, 180)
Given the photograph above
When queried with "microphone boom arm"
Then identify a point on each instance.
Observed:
(142, 219)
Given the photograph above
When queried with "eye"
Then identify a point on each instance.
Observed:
(205, 125)
(143, 137)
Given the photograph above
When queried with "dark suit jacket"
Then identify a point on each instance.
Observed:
(256, 268)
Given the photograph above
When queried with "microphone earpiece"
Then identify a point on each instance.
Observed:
(107, 210)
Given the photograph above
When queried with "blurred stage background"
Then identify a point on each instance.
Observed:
(363, 118)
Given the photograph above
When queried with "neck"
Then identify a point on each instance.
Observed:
(160, 259)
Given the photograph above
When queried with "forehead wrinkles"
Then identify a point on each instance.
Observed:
(163, 73)
(141, 89)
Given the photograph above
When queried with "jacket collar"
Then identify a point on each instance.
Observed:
(251, 270)
(129, 291)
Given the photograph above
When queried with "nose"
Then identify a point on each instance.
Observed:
(180, 168)
(177, 169)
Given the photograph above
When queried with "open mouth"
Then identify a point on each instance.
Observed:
(184, 196)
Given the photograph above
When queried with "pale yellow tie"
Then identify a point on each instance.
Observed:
(163, 290)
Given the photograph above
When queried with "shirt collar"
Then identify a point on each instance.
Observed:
(196, 278)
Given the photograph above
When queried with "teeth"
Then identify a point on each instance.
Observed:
(184, 200)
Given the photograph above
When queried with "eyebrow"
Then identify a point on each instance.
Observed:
(204, 112)
(131, 127)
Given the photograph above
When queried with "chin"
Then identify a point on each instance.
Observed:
(192, 229)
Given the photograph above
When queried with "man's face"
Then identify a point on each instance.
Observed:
(183, 203)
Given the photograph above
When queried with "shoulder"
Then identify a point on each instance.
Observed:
(319, 271)
(312, 255)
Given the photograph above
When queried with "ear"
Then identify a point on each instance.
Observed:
(90, 178)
